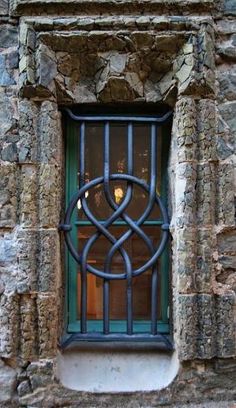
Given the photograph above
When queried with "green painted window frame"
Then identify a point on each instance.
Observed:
(71, 267)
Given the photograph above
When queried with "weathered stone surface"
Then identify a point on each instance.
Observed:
(230, 7)
(225, 211)
(47, 68)
(47, 324)
(5, 77)
(117, 89)
(49, 195)
(49, 261)
(3, 7)
(185, 195)
(185, 259)
(206, 123)
(227, 50)
(226, 241)
(24, 388)
(27, 255)
(186, 325)
(206, 327)
(224, 141)
(228, 261)
(227, 111)
(8, 260)
(50, 134)
(8, 36)
(7, 113)
(205, 192)
(7, 383)
(185, 137)
(8, 199)
(27, 145)
(28, 196)
(227, 82)
(28, 327)
(204, 261)
(225, 317)
(9, 315)
(40, 373)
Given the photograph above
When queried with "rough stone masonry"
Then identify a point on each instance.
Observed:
(63, 52)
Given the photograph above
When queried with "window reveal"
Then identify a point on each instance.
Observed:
(116, 228)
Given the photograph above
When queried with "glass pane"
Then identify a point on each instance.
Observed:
(94, 163)
(139, 254)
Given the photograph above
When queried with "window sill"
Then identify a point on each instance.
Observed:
(117, 341)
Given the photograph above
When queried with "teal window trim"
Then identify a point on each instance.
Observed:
(72, 323)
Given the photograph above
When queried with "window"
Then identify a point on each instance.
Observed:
(116, 227)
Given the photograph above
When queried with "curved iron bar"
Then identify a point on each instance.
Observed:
(107, 192)
(135, 226)
(113, 118)
(128, 197)
(103, 228)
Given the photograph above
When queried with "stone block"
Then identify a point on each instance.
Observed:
(47, 67)
(49, 195)
(40, 373)
(228, 112)
(227, 50)
(204, 262)
(225, 207)
(185, 259)
(226, 26)
(230, 7)
(8, 198)
(186, 325)
(9, 318)
(27, 255)
(8, 35)
(205, 194)
(24, 388)
(225, 140)
(49, 274)
(28, 195)
(185, 195)
(225, 321)
(6, 76)
(8, 112)
(7, 384)
(226, 241)
(228, 261)
(184, 130)
(4, 7)
(206, 130)
(8, 261)
(47, 324)
(227, 83)
(28, 143)
(28, 327)
(205, 340)
(50, 134)
(205, 76)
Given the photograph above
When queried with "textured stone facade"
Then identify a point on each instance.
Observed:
(55, 53)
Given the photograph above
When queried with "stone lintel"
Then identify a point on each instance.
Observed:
(18, 7)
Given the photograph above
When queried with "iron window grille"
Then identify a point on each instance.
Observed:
(77, 190)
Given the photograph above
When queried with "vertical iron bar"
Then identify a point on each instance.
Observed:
(83, 321)
(106, 282)
(154, 268)
(129, 271)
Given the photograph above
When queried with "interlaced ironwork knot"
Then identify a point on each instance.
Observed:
(119, 211)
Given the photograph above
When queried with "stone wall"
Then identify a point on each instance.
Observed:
(58, 53)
